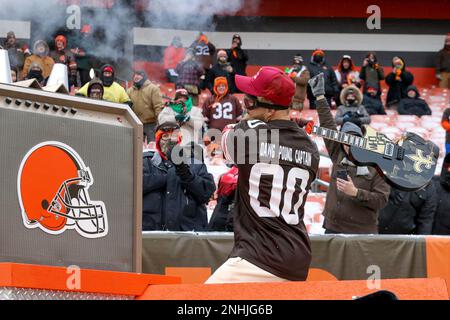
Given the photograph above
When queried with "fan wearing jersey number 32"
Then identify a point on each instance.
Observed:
(277, 162)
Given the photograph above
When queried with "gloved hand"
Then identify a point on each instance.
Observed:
(181, 118)
(183, 171)
(317, 85)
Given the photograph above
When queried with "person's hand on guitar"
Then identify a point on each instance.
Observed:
(317, 85)
(347, 187)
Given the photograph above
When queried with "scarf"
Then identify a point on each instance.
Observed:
(183, 107)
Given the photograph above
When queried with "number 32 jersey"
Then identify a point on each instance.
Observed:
(277, 163)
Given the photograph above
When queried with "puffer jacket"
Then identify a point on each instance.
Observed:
(397, 88)
(331, 85)
(356, 109)
(413, 106)
(171, 203)
(373, 105)
(343, 213)
(147, 101)
(409, 212)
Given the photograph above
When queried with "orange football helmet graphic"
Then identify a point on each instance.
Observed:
(52, 186)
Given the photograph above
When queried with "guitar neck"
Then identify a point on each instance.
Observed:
(340, 137)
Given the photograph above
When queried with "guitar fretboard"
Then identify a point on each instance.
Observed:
(340, 137)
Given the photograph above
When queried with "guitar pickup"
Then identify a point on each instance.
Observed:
(389, 150)
(400, 153)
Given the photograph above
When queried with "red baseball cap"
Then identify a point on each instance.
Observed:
(269, 83)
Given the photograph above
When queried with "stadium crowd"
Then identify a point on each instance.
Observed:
(176, 196)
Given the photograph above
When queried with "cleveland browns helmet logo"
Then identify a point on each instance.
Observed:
(52, 186)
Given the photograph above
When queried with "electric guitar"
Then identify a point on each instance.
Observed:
(408, 164)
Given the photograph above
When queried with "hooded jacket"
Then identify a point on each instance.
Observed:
(147, 101)
(346, 77)
(373, 105)
(171, 202)
(397, 88)
(113, 93)
(343, 213)
(331, 85)
(45, 60)
(357, 109)
(442, 185)
(413, 106)
(94, 82)
(409, 212)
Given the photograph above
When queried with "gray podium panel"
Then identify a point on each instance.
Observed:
(70, 181)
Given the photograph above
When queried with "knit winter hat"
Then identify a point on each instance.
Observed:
(218, 81)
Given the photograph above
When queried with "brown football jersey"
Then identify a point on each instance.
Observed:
(277, 163)
(222, 113)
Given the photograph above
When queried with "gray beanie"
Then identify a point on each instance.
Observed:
(351, 127)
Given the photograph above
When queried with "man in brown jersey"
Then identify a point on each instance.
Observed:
(277, 162)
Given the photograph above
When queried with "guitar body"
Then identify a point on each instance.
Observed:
(407, 165)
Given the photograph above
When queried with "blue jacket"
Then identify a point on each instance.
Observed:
(171, 203)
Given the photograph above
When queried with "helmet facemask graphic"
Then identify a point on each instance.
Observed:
(66, 203)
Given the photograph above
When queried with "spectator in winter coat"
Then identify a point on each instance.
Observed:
(147, 102)
(187, 116)
(398, 81)
(222, 68)
(189, 73)
(346, 73)
(371, 73)
(408, 212)
(16, 53)
(352, 205)
(442, 186)
(113, 91)
(299, 73)
(222, 108)
(446, 125)
(236, 56)
(443, 64)
(173, 55)
(175, 189)
(222, 217)
(351, 109)
(412, 104)
(64, 56)
(372, 101)
(95, 89)
(41, 56)
(83, 44)
(35, 72)
(14, 74)
(318, 65)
